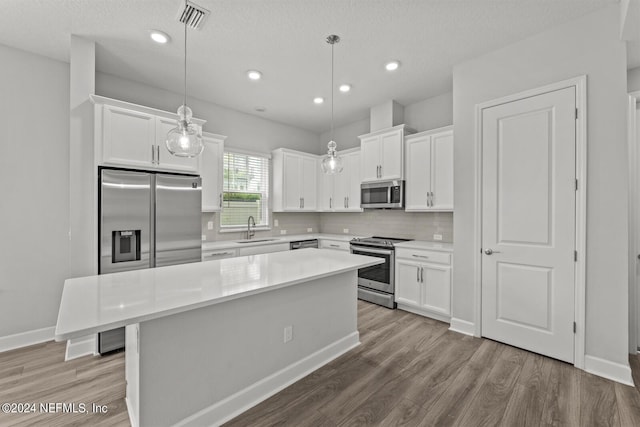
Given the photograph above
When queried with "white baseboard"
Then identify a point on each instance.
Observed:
(239, 402)
(462, 326)
(607, 369)
(78, 347)
(132, 419)
(24, 339)
(425, 313)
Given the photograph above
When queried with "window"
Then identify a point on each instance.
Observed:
(245, 191)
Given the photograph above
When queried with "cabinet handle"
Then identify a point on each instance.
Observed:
(344, 203)
(418, 274)
(380, 171)
(303, 203)
(420, 256)
(330, 202)
(158, 151)
(347, 201)
(220, 200)
(334, 246)
(218, 253)
(153, 154)
(431, 196)
(421, 274)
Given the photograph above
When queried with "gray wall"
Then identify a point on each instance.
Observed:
(430, 113)
(633, 79)
(242, 130)
(34, 186)
(589, 45)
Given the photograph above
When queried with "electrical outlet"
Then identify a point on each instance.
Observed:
(283, 231)
(345, 230)
(288, 333)
(309, 230)
(204, 237)
(437, 237)
(276, 223)
(210, 225)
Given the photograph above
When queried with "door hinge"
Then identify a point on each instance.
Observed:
(576, 114)
(574, 327)
(575, 256)
(576, 184)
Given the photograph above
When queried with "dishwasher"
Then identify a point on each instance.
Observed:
(301, 244)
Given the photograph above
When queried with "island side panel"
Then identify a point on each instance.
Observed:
(193, 361)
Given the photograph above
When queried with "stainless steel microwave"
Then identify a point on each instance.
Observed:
(382, 195)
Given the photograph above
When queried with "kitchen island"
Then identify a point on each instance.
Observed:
(206, 341)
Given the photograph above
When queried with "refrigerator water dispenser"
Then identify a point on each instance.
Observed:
(126, 245)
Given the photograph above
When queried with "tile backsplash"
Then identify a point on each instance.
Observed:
(391, 223)
(387, 223)
(293, 223)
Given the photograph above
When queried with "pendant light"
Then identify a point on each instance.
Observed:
(185, 140)
(331, 163)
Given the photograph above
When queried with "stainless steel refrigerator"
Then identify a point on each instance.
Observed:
(146, 220)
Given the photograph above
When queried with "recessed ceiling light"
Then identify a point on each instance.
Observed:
(392, 66)
(345, 88)
(159, 37)
(254, 75)
(318, 100)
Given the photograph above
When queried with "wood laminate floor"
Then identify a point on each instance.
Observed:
(409, 370)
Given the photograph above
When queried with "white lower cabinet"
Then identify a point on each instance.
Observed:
(423, 282)
(263, 249)
(338, 245)
(219, 254)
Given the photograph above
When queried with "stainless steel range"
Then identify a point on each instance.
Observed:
(376, 284)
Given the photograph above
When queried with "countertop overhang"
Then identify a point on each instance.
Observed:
(99, 303)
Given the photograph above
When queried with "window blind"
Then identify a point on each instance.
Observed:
(245, 190)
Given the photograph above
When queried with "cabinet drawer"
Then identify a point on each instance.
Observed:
(424, 255)
(263, 249)
(334, 244)
(218, 254)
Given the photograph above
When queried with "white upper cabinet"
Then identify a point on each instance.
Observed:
(340, 192)
(134, 136)
(429, 170)
(166, 160)
(294, 181)
(383, 154)
(128, 137)
(211, 171)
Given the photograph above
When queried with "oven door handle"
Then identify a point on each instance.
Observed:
(372, 250)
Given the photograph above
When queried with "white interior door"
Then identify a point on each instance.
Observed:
(528, 223)
(637, 219)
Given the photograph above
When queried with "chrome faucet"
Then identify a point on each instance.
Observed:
(250, 233)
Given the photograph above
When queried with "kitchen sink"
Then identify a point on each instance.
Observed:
(256, 240)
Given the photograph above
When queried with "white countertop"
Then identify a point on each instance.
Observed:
(99, 303)
(272, 240)
(423, 244)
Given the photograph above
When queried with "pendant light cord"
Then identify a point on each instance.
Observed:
(332, 45)
(185, 56)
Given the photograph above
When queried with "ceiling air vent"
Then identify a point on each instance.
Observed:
(193, 15)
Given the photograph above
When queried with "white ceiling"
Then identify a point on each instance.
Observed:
(285, 39)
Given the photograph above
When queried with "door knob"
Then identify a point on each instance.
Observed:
(490, 251)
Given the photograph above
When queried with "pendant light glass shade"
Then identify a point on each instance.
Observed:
(185, 140)
(332, 163)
